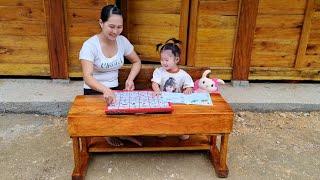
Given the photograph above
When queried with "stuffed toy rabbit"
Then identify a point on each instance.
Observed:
(205, 84)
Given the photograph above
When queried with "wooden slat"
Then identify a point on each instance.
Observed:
(304, 37)
(152, 19)
(156, 6)
(23, 49)
(21, 13)
(225, 7)
(275, 47)
(23, 28)
(279, 21)
(215, 35)
(24, 42)
(217, 21)
(25, 69)
(183, 30)
(89, 4)
(86, 29)
(274, 33)
(244, 40)
(274, 73)
(99, 144)
(314, 36)
(315, 20)
(26, 56)
(192, 35)
(312, 61)
(25, 3)
(57, 40)
(213, 60)
(313, 49)
(272, 60)
(83, 15)
(282, 7)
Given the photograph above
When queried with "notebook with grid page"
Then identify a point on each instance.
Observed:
(132, 102)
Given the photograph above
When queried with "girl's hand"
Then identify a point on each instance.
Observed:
(129, 86)
(188, 90)
(109, 96)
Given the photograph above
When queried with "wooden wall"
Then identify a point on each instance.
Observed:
(23, 38)
(212, 33)
(282, 41)
(81, 22)
(153, 22)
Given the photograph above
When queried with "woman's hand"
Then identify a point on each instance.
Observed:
(188, 90)
(109, 96)
(129, 86)
(156, 93)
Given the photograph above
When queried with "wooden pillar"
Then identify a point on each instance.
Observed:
(183, 30)
(304, 37)
(57, 40)
(192, 35)
(248, 11)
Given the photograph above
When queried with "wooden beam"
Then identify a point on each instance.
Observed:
(124, 10)
(192, 35)
(183, 30)
(304, 37)
(57, 39)
(248, 11)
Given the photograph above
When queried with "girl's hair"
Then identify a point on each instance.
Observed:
(171, 44)
(108, 10)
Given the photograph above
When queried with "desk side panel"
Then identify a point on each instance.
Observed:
(150, 125)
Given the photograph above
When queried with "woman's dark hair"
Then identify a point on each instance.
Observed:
(171, 44)
(108, 10)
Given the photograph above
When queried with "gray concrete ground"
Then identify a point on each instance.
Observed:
(55, 97)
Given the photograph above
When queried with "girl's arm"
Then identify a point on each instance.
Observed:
(87, 68)
(135, 69)
(156, 88)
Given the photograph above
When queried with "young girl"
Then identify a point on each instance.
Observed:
(169, 77)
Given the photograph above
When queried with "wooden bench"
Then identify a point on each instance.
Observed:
(88, 124)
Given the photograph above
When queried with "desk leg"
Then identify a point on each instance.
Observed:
(219, 158)
(81, 158)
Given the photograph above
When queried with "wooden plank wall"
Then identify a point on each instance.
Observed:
(212, 35)
(281, 31)
(286, 43)
(312, 57)
(23, 38)
(82, 22)
(153, 22)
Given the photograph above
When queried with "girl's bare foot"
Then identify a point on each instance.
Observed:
(184, 137)
(131, 139)
(114, 141)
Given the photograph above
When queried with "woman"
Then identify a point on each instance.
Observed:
(102, 56)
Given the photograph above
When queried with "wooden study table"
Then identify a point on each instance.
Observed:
(88, 124)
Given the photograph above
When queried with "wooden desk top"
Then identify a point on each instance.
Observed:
(87, 118)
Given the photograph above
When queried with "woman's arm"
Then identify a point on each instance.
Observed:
(135, 69)
(87, 69)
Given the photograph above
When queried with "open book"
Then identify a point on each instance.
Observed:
(194, 98)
